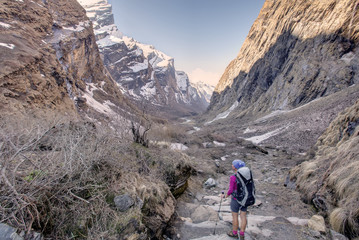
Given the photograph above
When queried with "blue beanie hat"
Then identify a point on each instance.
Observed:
(238, 163)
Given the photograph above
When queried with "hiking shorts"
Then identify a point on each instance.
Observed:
(235, 207)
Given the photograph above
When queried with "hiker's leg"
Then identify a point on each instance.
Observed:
(235, 223)
(235, 209)
(243, 216)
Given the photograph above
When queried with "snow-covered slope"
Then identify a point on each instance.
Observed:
(204, 90)
(142, 71)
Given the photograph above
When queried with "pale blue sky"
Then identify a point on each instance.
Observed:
(203, 36)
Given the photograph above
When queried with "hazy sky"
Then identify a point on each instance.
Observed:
(203, 36)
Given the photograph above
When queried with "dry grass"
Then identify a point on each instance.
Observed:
(167, 133)
(333, 174)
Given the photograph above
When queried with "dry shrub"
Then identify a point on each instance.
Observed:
(60, 178)
(55, 177)
(345, 180)
(343, 220)
(167, 133)
(338, 219)
(332, 177)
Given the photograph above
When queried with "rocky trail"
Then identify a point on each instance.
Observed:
(278, 213)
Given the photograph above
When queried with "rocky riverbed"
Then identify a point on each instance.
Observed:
(278, 213)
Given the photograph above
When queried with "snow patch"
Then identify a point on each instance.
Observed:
(148, 91)
(182, 80)
(139, 66)
(100, 107)
(37, 4)
(248, 130)
(219, 144)
(178, 146)
(261, 138)
(118, 61)
(7, 45)
(5, 25)
(224, 114)
(126, 79)
(78, 28)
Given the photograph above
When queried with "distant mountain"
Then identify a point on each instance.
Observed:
(204, 90)
(145, 74)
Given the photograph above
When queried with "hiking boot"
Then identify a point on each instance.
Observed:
(231, 234)
(241, 237)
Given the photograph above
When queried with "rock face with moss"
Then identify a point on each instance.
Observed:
(295, 52)
(330, 179)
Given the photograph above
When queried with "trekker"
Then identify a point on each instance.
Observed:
(235, 206)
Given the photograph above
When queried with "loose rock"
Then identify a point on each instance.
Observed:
(210, 183)
(123, 202)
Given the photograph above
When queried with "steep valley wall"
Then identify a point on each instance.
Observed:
(295, 52)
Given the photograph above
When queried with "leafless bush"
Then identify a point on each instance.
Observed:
(49, 171)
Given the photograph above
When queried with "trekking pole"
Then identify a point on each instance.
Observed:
(219, 210)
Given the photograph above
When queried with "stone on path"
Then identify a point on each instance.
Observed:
(204, 213)
(222, 237)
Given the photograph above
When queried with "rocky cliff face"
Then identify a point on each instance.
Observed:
(295, 52)
(50, 61)
(144, 73)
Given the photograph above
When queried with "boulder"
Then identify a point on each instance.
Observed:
(210, 183)
(204, 213)
(317, 223)
(8, 233)
(123, 202)
(337, 236)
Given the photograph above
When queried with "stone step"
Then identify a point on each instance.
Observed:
(253, 227)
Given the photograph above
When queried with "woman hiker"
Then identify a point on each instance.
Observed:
(235, 207)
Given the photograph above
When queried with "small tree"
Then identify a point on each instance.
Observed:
(140, 128)
(140, 131)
